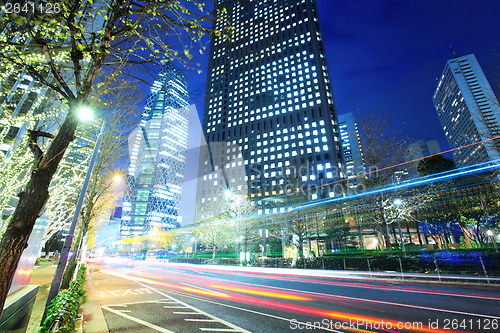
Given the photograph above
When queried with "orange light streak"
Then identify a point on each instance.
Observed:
(262, 292)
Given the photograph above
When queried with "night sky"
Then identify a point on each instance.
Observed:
(388, 54)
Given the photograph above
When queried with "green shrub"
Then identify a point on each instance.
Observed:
(63, 310)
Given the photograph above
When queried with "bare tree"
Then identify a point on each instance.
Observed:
(245, 226)
(213, 234)
(384, 154)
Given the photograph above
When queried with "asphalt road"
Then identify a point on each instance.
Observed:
(140, 296)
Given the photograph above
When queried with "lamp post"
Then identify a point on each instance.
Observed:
(63, 259)
(398, 203)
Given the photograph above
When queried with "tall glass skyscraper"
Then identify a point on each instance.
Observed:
(351, 145)
(157, 157)
(269, 113)
(469, 111)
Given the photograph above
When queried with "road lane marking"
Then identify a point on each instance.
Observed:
(189, 313)
(129, 291)
(198, 287)
(258, 313)
(236, 328)
(203, 320)
(137, 320)
(218, 329)
(174, 307)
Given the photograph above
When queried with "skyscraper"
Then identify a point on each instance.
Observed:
(351, 145)
(469, 111)
(269, 103)
(157, 157)
(423, 148)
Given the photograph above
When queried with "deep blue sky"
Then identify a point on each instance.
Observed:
(388, 53)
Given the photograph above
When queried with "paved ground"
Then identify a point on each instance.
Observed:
(41, 276)
(93, 318)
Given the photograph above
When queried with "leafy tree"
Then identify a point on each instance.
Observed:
(65, 51)
(434, 164)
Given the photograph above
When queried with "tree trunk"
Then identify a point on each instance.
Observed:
(387, 236)
(70, 269)
(30, 204)
(394, 235)
(410, 241)
(301, 245)
(245, 247)
(417, 227)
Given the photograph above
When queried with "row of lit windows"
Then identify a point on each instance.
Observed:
(239, 21)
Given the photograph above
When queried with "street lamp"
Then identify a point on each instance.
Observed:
(398, 203)
(83, 113)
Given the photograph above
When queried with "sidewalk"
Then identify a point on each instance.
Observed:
(93, 318)
(41, 276)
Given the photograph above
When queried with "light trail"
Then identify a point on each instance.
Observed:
(281, 276)
(262, 292)
(246, 295)
(396, 165)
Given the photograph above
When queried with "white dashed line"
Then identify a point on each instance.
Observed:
(137, 320)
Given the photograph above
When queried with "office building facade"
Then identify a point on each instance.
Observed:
(351, 147)
(269, 109)
(423, 148)
(469, 111)
(157, 157)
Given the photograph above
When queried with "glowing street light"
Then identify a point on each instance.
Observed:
(65, 253)
(398, 202)
(85, 113)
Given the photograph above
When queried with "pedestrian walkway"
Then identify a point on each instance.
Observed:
(93, 318)
(41, 276)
